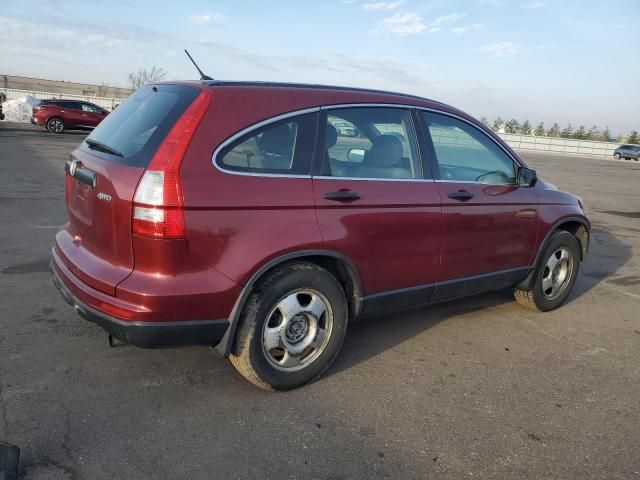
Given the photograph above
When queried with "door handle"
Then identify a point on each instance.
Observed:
(461, 195)
(342, 196)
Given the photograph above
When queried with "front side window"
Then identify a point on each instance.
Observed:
(283, 147)
(370, 142)
(465, 154)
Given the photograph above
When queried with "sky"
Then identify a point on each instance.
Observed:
(542, 60)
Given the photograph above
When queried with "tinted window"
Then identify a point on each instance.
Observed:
(464, 153)
(71, 105)
(87, 107)
(370, 142)
(283, 147)
(137, 127)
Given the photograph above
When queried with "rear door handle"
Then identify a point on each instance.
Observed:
(461, 195)
(342, 196)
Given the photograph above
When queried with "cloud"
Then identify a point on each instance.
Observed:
(404, 23)
(466, 28)
(495, 3)
(378, 72)
(535, 5)
(212, 19)
(381, 5)
(500, 49)
(447, 19)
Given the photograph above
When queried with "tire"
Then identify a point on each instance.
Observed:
(546, 293)
(55, 125)
(616, 156)
(282, 343)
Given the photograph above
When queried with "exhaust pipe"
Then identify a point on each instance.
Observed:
(114, 342)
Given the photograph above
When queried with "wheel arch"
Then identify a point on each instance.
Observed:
(336, 263)
(577, 226)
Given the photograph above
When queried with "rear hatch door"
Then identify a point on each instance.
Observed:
(102, 175)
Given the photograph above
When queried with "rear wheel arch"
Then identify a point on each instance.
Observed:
(335, 263)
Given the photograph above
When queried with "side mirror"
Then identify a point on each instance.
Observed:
(356, 155)
(527, 177)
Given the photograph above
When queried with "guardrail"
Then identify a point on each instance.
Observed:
(530, 142)
(104, 102)
(559, 145)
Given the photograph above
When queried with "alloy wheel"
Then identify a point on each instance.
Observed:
(297, 330)
(557, 273)
(56, 125)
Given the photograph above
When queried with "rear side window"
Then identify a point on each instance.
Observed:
(370, 142)
(283, 147)
(70, 105)
(137, 127)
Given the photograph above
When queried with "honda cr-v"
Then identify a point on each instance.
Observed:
(237, 215)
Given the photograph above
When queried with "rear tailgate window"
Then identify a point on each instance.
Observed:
(137, 127)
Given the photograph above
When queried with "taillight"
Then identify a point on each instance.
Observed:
(158, 205)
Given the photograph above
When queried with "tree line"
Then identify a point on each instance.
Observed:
(581, 133)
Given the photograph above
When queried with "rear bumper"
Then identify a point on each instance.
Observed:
(141, 334)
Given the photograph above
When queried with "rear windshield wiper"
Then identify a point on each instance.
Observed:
(93, 145)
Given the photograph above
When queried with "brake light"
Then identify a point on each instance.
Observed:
(158, 205)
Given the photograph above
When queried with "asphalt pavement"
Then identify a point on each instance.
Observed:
(477, 388)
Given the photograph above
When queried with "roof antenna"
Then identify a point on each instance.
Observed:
(202, 75)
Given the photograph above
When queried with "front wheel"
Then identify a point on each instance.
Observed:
(555, 276)
(617, 156)
(292, 327)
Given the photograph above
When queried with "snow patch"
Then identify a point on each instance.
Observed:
(20, 109)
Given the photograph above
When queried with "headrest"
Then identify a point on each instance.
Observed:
(277, 141)
(385, 152)
(330, 135)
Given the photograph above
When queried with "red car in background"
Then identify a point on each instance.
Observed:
(60, 115)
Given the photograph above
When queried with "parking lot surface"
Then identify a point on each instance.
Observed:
(479, 388)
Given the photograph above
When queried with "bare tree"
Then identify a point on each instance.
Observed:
(143, 76)
(497, 124)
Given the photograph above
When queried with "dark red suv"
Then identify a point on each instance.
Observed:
(58, 115)
(262, 218)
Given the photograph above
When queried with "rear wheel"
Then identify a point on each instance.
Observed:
(292, 327)
(55, 125)
(555, 275)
